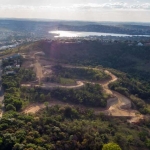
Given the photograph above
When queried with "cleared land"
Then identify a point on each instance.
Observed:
(118, 105)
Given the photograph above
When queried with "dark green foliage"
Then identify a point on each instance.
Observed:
(10, 107)
(13, 99)
(134, 60)
(26, 75)
(137, 91)
(21, 75)
(70, 128)
(81, 73)
(11, 61)
(89, 95)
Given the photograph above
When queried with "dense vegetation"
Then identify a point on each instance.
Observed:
(70, 128)
(68, 76)
(89, 95)
(61, 128)
(80, 73)
(22, 75)
(137, 91)
(12, 61)
(133, 59)
(13, 99)
(17, 97)
(111, 146)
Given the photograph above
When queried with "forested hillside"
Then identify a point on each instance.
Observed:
(137, 91)
(73, 126)
(133, 59)
(70, 128)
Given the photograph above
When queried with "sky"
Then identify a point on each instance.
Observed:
(85, 10)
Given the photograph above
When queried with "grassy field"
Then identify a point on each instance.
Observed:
(66, 81)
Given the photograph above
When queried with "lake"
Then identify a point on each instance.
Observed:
(85, 34)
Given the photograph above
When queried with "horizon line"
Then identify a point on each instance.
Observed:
(47, 19)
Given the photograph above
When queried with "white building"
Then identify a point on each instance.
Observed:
(139, 44)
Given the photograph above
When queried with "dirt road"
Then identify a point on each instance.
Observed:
(119, 105)
(55, 85)
(38, 70)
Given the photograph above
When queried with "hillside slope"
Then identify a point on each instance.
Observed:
(131, 59)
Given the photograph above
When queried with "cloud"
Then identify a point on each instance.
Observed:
(105, 5)
(16, 7)
(33, 8)
(88, 6)
(117, 5)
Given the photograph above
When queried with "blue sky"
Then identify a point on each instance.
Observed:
(92, 10)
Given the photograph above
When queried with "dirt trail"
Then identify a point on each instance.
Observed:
(105, 85)
(33, 108)
(36, 107)
(55, 85)
(119, 105)
(38, 68)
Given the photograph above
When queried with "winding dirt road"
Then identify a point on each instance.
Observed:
(118, 105)
(55, 85)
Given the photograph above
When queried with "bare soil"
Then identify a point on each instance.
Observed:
(118, 105)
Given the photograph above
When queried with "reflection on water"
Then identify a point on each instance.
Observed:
(65, 33)
(83, 34)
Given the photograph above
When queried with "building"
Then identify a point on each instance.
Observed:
(139, 44)
(17, 66)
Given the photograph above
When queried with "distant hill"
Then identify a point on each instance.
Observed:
(124, 29)
(28, 26)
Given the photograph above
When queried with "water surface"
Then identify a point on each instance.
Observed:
(84, 34)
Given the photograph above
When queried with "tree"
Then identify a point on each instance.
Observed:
(68, 112)
(148, 143)
(10, 107)
(42, 97)
(48, 96)
(46, 105)
(17, 104)
(18, 146)
(111, 146)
